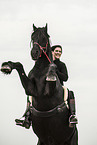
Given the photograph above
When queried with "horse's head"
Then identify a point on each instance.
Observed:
(40, 42)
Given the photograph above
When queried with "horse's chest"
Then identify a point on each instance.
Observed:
(55, 126)
(40, 84)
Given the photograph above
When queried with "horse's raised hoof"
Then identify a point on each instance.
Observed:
(51, 74)
(5, 68)
(51, 78)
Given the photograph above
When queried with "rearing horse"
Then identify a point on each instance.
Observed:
(50, 114)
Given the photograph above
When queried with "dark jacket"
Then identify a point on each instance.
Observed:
(61, 71)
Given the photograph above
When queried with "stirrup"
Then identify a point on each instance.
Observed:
(23, 123)
(27, 124)
(71, 121)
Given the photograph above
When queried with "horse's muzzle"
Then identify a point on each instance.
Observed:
(35, 54)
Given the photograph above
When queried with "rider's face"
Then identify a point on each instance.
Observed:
(57, 53)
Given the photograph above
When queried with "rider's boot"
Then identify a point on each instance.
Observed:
(72, 119)
(71, 102)
(26, 122)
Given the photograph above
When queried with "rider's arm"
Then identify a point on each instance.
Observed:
(62, 73)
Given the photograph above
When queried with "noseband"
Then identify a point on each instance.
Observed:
(41, 46)
(42, 50)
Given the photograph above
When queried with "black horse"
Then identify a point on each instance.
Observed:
(50, 114)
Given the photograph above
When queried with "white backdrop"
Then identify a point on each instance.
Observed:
(72, 24)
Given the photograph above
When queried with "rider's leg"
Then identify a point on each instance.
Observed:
(65, 95)
(71, 103)
(26, 122)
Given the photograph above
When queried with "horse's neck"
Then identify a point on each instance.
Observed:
(40, 71)
(42, 62)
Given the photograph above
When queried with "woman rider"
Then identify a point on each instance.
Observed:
(63, 76)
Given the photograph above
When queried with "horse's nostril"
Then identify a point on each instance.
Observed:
(37, 52)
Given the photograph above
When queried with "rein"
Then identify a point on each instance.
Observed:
(42, 48)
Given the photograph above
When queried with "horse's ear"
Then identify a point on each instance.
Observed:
(46, 28)
(34, 27)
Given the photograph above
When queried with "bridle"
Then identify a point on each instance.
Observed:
(42, 50)
(41, 46)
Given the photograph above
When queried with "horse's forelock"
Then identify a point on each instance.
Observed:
(39, 32)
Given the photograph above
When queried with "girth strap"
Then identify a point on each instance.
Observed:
(59, 108)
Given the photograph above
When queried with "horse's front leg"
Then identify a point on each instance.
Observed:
(51, 74)
(51, 78)
(7, 68)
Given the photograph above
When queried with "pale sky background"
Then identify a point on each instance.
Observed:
(72, 24)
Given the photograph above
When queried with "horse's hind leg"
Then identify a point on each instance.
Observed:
(51, 74)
